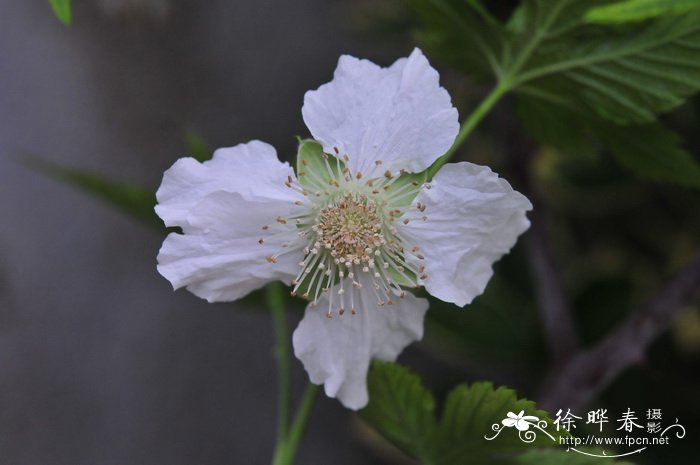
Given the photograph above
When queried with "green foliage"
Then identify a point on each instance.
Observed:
(582, 86)
(196, 146)
(652, 152)
(639, 10)
(403, 411)
(62, 10)
(135, 201)
(622, 75)
(460, 33)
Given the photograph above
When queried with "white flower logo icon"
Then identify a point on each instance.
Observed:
(521, 421)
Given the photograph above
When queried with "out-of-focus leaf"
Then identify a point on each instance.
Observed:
(652, 152)
(460, 33)
(135, 201)
(401, 408)
(62, 10)
(403, 411)
(639, 10)
(196, 146)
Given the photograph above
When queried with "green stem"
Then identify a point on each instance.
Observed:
(289, 449)
(288, 437)
(275, 300)
(468, 126)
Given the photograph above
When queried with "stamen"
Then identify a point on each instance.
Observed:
(350, 233)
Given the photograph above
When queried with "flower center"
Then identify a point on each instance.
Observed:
(351, 225)
(350, 228)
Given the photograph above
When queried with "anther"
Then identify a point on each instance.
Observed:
(271, 259)
(260, 241)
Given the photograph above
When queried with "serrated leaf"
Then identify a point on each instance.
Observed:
(638, 10)
(135, 201)
(403, 411)
(469, 415)
(400, 408)
(625, 75)
(62, 10)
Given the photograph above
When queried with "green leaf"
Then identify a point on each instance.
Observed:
(470, 414)
(403, 411)
(135, 201)
(62, 10)
(460, 33)
(639, 10)
(196, 146)
(400, 408)
(625, 75)
(652, 152)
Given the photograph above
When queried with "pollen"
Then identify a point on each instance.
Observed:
(350, 227)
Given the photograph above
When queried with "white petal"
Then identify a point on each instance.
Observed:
(474, 218)
(252, 170)
(220, 258)
(399, 115)
(509, 422)
(522, 425)
(337, 351)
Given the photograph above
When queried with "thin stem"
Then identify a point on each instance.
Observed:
(301, 419)
(468, 126)
(275, 300)
(286, 449)
(590, 371)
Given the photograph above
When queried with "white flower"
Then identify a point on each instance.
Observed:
(353, 228)
(521, 421)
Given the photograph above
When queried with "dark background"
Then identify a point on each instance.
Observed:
(100, 362)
